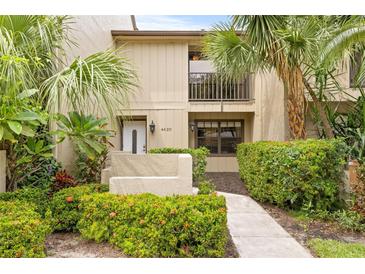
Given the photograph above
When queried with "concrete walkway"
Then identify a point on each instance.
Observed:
(256, 234)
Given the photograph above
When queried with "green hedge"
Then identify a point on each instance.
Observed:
(65, 205)
(199, 156)
(22, 230)
(150, 226)
(298, 174)
(36, 196)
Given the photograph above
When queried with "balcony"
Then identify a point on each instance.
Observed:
(210, 86)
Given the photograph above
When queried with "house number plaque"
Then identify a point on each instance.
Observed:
(166, 129)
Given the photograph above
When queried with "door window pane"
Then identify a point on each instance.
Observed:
(208, 136)
(230, 137)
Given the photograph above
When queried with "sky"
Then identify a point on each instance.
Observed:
(178, 22)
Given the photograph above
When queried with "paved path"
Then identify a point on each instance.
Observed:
(256, 234)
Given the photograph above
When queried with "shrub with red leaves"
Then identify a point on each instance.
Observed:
(63, 180)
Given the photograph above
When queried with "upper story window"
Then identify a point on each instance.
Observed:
(195, 55)
(354, 68)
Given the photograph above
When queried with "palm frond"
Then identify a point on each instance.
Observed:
(101, 82)
(261, 31)
(231, 54)
(341, 45)
(32, 46)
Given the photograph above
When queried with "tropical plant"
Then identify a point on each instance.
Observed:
(350, 126)
(89, 170)
(85, 131)
(32, 162)
(63, 180)
(19, 119)
(34, 77)
(296, 47)
(343, 42)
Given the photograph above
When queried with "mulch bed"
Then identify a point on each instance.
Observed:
(71, 245)
(308, 229)
(227, 182)
(231, 251)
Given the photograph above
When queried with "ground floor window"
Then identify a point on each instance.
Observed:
(220, 137)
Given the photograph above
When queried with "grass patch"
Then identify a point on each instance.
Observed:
(336, 249)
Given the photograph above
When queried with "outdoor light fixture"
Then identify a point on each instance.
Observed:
(152, 127)
(192, 126)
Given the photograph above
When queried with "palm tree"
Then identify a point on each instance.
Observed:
(31, 54)
(289, 45)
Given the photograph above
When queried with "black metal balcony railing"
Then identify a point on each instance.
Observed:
(212, 87)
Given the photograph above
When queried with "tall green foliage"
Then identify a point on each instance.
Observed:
(22, 231)
(90, 138)
(34, 78)
(298, 175)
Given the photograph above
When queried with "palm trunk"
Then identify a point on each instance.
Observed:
(322, 114)
(295, 104)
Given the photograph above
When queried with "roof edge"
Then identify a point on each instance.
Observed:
(158, 32)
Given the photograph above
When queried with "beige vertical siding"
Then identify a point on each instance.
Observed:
(270, 122)
(162, 70)
(162, 94)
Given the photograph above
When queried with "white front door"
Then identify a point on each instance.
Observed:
(134, 136)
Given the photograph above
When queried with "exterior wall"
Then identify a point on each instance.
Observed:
(160, 174)
(91, 34)
(222, 164)
(162, 69)
(270, 121)
(162, 96)
(162, 93)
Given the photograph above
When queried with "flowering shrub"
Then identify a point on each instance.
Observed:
(146, 225)
(22, 230)
(36, 196)
(65, 205)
